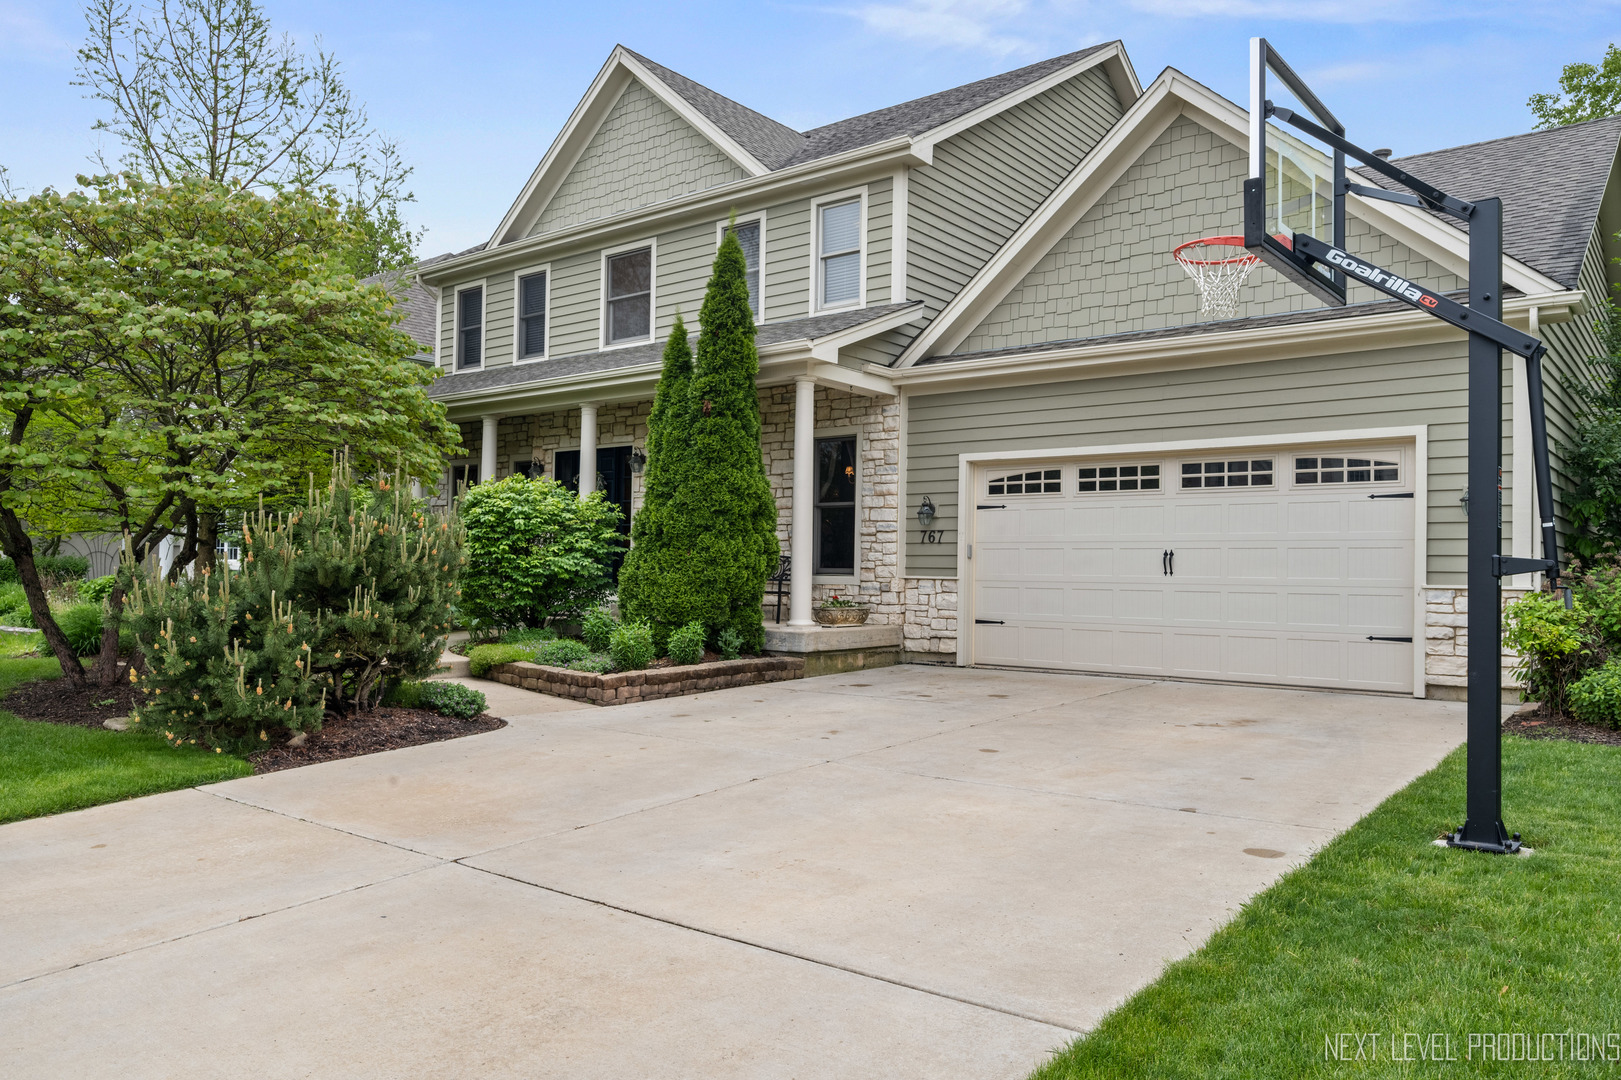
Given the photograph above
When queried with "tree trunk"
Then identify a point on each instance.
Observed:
(207, 538)
(105, 671)
(188, 548)
(16, 544)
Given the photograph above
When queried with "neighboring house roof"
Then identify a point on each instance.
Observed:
(415, 301)
(776, 333)
(1551, 183)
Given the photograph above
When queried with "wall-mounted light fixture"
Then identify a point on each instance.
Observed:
(925, 512)
(638, 461)
(1464, 502)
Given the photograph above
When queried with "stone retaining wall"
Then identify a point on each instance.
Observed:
(624, 687)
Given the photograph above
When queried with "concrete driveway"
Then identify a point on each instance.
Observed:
(911, 872)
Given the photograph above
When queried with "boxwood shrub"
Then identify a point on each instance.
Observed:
(452, 699)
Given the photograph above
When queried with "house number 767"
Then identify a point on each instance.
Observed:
(933, 536)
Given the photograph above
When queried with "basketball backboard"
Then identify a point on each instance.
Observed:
(1295, 185)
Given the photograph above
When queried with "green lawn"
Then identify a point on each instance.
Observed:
(49, 768)
(1382, 933)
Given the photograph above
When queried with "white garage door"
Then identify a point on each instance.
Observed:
(1291, 567)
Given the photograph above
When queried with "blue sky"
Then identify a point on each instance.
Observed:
(476, 91)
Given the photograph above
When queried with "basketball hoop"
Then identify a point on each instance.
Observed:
(1217, 279)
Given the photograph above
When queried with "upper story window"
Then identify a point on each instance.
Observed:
(838, 259)
(630, 296)
(748, 236)
(470, 327)
(532, 316)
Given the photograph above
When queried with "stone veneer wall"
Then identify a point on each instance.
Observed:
(538, 436)
(1446, 643)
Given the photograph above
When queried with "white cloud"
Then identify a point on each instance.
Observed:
(959, 24)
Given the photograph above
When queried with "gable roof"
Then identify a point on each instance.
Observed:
(761, 145)
(1173, 94)
(1551, 183)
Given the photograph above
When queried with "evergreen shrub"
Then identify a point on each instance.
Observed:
(335, 599)
(452, 699)
(535, 550)
(632, 646)
(597, 628)
(687, 644)
(1596, 696)
(482, 658)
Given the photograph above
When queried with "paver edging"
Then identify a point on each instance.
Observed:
(624, 687)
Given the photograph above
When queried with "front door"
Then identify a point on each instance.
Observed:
(613, 480)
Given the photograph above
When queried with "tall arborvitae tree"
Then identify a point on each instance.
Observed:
(716, 534)
(639, 593)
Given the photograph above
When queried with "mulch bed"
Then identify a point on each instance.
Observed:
(386, 728)
(1540, 725)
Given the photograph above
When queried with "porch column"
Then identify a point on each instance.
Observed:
(588, 449)
(486, 461)
(801, 549)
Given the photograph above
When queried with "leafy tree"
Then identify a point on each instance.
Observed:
(203, 88)
(6, 190)
(1593, 455)
(535, 550)
(717, 540)
(644, 586)
(1587, 92)
(170, 354)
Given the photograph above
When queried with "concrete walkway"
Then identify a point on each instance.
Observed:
(909, 872)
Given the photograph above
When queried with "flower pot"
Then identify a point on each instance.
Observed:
(841, 616)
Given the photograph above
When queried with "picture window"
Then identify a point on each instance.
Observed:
(1119, 478)
(1346, 470)
(1035, 482)
(1231, 473)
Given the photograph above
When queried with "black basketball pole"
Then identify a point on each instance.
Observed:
(1483, 827)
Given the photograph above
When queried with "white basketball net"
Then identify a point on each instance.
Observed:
(1219, 266)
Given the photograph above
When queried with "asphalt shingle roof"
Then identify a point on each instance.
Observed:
(1551, 183)
(415, 301)
(777, 146)
(818, 326)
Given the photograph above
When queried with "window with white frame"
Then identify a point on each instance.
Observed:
(748, 238)
(470, 327)
(1229, 472)
(532, 316)
(838, 258)
(1346, 470)
(1117, 478)
(630, 296)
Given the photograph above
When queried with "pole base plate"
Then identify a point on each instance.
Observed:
(1501, 847)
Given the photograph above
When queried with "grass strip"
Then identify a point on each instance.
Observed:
(1383, 934)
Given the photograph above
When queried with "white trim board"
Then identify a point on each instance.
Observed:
(1418, 436)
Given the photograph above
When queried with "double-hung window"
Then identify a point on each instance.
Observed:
(748, 237)
(838, 253)
(470, 327)
(532, 316)
(630, 296)
(836, 505)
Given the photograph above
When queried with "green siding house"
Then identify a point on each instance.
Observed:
(969, 300)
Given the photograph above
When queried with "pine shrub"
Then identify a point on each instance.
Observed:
(713, 538)
(632, 646)
(687, 644)
(335, 599)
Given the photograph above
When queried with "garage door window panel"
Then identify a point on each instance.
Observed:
(1347, 470)
(1033, 482)
(1091, 478)
(1227, 473)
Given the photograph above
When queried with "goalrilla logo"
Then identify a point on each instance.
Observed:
(1390, 283)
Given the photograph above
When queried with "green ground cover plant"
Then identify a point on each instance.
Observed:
(52, 768)
(1383, 932)
(481, 658)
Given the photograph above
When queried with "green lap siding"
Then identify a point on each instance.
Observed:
(1408, 387)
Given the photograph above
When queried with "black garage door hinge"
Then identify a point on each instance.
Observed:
(1372, 637)
(990, 506)
(990, 622)
(1394, 495)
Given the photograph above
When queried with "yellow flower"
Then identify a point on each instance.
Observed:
(263, 737)
(194, 639)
